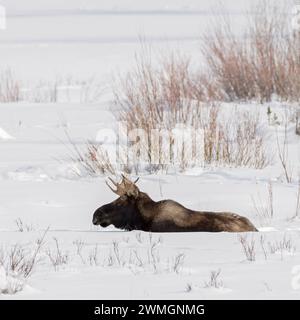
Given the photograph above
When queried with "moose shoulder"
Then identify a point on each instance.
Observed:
(135, 210)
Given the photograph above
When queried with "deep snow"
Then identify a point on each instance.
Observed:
(39, 185)
(44, 192)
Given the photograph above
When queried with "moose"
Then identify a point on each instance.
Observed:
(135, 210)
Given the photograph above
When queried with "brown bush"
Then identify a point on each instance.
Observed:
(160, 98)
(263, 62)
(9, 87)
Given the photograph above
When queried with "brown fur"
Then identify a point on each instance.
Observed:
(137, 211)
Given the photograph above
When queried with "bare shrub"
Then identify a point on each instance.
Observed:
(63, 89)
(139, 237)
(154, 256)
(91, 158)
(139, 260)
(283, 246)
(263, 62)
(9, 87)
(94, 256)
(248, 247)
(150, 90)
(10, 284)
(23, 226)
(117, 252)
(17, 265)
(79, 245)
(56, 256)
(96, 160)
(262, 244)
(214, 280)
(178, 262)
(228, 62)
(265, 208)
(16, 258)
(21, 261)
(236, 140)
(147, 258)
(159, 99)
(283, 153)
(43, 92)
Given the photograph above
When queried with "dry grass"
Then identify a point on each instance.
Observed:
(93, 257)
(91, 159)
(158, 99)
(96, 160)
(57, 256)
(265, 208)
(284, 246)
(62, 89)
(17, 264)
(263, 246)
(283, 154)
(143, 256)
(263, 62)
(23, 226)
(214, 280)
(235, 140)
(79, 244)
(9, 87)
(248, 247)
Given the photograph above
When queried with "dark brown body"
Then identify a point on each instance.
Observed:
(142, 213)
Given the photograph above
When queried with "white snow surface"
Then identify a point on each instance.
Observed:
(39, 183)
(91, 37)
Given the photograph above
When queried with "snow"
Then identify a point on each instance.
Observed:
(45, 192)
(105, 37)
(41, 186)
(4, 135)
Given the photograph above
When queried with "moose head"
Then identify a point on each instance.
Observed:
(123, 213)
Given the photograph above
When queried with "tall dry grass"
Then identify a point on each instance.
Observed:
(157, 98)
(234, 139)
(62, 89)
(152, 98)
(262, 62)
(9, 87)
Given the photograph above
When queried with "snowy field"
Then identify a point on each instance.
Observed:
(40, 188)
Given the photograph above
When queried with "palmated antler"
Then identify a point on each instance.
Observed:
(125, 187)
(120, 187)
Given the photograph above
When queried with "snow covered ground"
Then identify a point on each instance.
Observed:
(86, 38)
(39, 187)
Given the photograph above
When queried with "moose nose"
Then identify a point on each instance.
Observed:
(97, 216)
(95, 220)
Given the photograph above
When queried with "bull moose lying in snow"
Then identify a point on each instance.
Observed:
(135, 210)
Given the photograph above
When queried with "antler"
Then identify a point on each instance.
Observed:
(124, 187)
(120, 187)
(128, 181)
